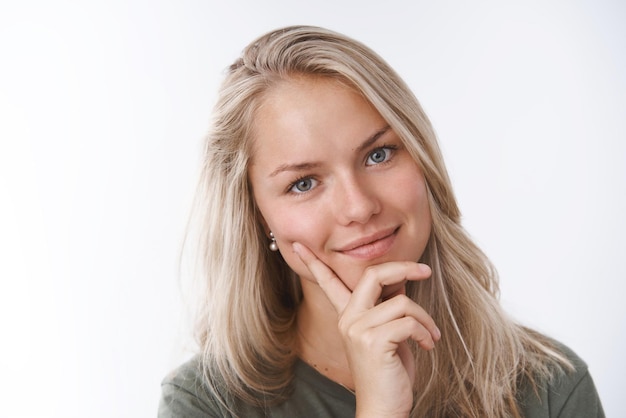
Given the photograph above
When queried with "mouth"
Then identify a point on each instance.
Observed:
(371, 246)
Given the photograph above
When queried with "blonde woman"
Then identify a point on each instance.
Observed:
(338, 280)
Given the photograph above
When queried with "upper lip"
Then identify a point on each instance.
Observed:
(368, 239)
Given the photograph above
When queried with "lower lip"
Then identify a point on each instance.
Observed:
(374, 249)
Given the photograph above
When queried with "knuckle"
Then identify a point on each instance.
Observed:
(412, 325)
(404, 301)
(410, 264)
(368, 339)
(347, 328)
(370, 273)
(421, 335)
(403, 304)
(356, 335)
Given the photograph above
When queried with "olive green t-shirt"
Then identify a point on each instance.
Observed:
(567, 395)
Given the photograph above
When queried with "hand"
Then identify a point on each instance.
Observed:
(375, 322)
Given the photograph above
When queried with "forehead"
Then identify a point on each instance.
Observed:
(304, 109)
(295, 95)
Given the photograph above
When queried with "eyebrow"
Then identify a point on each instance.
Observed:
(308, 166)
(372, 139)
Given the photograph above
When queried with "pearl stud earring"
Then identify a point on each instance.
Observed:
(273, 245)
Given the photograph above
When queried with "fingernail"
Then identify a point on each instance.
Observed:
(437, 334)
(296, 248)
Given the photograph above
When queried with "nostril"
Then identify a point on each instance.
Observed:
(357, 205)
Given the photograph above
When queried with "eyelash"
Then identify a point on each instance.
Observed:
(290, 188)
(390, 148)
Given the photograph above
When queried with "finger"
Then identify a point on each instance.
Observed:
(392, 275)
(398, 331)
(396, 308)
(336, 291)
(412, 329)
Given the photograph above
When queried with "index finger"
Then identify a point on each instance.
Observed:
(386, 279)
(336, 292)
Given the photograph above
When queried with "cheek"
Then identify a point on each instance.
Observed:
(410, 195)
(414, 204)
(291, 225)
(420, 203)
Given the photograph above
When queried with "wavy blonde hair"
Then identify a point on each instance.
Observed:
(246, 325)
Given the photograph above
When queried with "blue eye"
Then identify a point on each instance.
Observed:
(302, 185)
(379, 155)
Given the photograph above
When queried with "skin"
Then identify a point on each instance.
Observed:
(348, 207)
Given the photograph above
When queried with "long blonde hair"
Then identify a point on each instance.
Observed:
(247, 319)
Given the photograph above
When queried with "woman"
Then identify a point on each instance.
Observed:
(338, 278)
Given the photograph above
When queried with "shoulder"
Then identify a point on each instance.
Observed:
(191, 393)
(568, 393)
(184, 393)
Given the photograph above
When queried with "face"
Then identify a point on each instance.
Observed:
(328, 172)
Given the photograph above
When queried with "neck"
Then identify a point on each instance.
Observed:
(319, 342)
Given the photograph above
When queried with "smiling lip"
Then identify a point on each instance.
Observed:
(372, 246)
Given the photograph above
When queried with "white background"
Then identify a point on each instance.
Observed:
(103, 106)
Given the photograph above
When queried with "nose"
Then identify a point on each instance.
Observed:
(355, 200)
